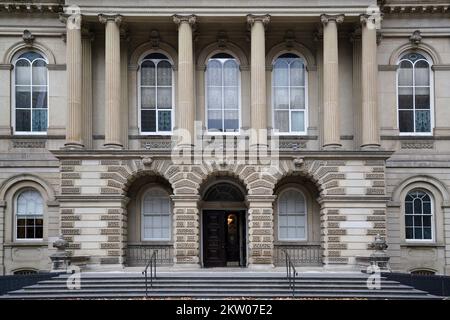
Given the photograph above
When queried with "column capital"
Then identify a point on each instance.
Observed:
(326, 18)
(369, 21)
(252, 18)
(72, 21)
(116, 18)
(179, 19)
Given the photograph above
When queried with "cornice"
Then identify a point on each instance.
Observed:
(415, 8)
(32, 7)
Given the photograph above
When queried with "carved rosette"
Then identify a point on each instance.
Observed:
(326, 18)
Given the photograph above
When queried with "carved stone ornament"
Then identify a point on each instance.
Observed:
(104, 18)
(416, 38)
(60, 243)
(289, 38)
(326, 18)
(154, 38)
(147, 161)
(222, 39)
(299, 162)
(28, 37)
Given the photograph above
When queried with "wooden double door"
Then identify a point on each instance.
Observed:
(224, 238)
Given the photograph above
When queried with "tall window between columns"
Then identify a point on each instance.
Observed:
(419, 216)
(289, 94)
(156, 94)
(30, 97)
(223, 94)
(415, 94)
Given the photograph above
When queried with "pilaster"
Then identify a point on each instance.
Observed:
(86, 39)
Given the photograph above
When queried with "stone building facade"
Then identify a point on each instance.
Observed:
(221, 135)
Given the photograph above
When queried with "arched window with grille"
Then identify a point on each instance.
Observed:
(223, 94)
(156, 94)
(415, 94)
(29, 213)
(156, 215)
(292, 216)
(419, 216)
(289, 94)
(30, 98)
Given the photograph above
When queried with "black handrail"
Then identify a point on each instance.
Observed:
(291, 272)
(152, 264)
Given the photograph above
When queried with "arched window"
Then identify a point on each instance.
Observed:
(414, 94)
(291, 215)
(30, 93)
(29, 215)
(156, 94)
(289, 92)
(223, 93)
(156, 215)
(418, 216)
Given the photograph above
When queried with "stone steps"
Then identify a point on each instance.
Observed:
(216, 286)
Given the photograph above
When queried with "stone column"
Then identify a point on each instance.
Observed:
(125, 39)
(369, 84)
(258, 109)
(74, 82)
(185, 110)
(332, 132)
(113, 131)
(357, 118)
(186, 230)
(86, 103)
(2, 238)
(260, 230)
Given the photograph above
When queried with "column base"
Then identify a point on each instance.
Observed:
(370, 147)
(113, 146)
(73, 146)
(332, 146)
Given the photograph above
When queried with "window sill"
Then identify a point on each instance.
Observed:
(151, 243)
(295, 243)
(421, 244)
(26, 243)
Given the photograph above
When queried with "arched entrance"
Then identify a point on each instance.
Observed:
(224, 225)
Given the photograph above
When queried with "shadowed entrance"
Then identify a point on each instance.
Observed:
(224, 226)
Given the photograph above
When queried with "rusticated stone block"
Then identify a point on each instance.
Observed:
(262, 231)
(333, 225)
(375, 191)
(115, 184)
(68, 238)
(110, 217)
(74, 246)
(70, 175)
(114, 253)
(337, 246)
(109, 260)
(67, 211)
(110, 191)
(336, 163)
(379, 225)
(67, 169)
(376, 218)
(191, 238)
(378, 183)
(340, 232)
(379, 212)
(332, 211)
(374, 232)
(70, 190)
(113, 224)
(65, 224)
(71, 162)
(336, 191)
(334, 253)
(374, 176)
(333, 176)
(110, 231)
(334, 239)
(336, 218)
(107, 245)
(113, 238)
(70, 218)
(67, 183)
(71, 231)
(115, 211)
(337, 260)
(325, 170)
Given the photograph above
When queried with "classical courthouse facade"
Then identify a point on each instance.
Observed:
(334, 118)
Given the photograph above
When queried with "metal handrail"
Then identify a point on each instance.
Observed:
(152, 264)
(291, 272)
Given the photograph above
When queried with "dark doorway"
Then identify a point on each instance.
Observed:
(224, 238)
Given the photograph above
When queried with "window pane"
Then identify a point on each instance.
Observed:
(231, 98)
(23, 120)
(280, 73)
(408, 221)
(148, 120)
(406, 121)
(281, 121)
(418, 233)
(405, 74)
(23, 72)
(39, 120)
(423, 121)
(164, 120)
(409, 233)
(405, 98)
(231, 73)
(39, 97)
(164, 98)
(231, 120)
(408, 207)
(23, 97)
(215, 120)
(422, 73)
(148, 98)
(298, 121)
(426, 208)
(281, 98)
(297, 98)
(214, 73)
(422, 98)
(427, 221)
(164, 73)
(297, 73)
(417, 220)
(38, 232)
(147, 73)
(427, 233)
(39, 72)
(215, 98)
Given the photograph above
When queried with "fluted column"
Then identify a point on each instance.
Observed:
(369, 77)
(332, 132)
(185, 111)
(258, 109)
(86, 103)
(74, 81)
(113, 131)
